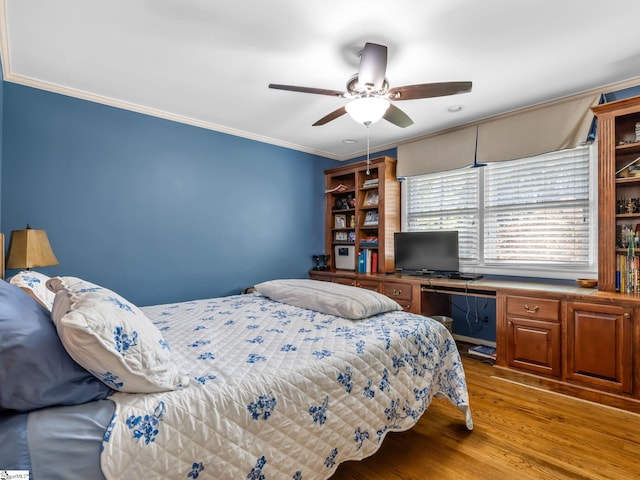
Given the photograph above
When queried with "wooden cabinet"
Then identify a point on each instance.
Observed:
(618, 187)
(533, 334)
(579, 342)
(598, 345)
(400, 292)
(583, 346)
(362, 212)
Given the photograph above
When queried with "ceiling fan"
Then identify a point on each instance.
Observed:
(370, 94)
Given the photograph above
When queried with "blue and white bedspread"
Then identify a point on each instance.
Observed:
(279, 392)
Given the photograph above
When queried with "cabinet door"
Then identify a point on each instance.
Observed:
(533, 345)
(598, 345)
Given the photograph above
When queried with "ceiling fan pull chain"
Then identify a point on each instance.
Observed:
(368, 124)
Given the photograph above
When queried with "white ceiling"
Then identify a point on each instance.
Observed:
(208, 63)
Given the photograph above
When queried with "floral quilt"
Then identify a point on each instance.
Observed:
(279, 392)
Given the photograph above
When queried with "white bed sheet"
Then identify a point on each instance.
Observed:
(279, 392)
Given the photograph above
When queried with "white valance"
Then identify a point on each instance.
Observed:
(537, 130)
(446, 151)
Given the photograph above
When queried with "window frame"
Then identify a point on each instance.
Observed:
(547, 271)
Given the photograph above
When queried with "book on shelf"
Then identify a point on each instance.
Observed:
(368, 261)
(369, 242)
(627, 273)
(483, 351)
(361, 261)
(371, 182)
(337, 189)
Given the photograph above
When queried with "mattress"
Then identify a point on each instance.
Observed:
(56, 443)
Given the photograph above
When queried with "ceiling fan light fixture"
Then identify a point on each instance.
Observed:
(367, 110)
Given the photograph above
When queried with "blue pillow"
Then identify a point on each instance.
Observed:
(35, 369)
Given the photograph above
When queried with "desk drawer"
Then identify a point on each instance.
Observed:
(531, 307)
(398, 291)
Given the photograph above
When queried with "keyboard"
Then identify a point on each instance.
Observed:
(465, 276)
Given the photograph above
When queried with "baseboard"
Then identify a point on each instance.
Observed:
(474, 341)
(610, 399)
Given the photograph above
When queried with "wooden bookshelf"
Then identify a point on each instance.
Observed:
(618, 187)
(365, 213)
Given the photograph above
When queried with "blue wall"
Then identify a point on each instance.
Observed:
(156, 210)
(1, 130)
(474, 317)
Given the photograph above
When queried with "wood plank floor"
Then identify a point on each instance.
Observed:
(519, 433)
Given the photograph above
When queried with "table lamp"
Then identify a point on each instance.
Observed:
(29, 248)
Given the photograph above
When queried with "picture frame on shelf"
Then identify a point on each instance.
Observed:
(340, 221)
(371, 198)
(351, 237)
(341, 236)
(371, 218)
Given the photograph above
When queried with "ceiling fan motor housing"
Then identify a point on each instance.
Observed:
(355, 89)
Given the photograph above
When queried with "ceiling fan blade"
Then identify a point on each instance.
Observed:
(332, 116)
(428, 90)
(397, 117)
(319, 91)
(373, 66)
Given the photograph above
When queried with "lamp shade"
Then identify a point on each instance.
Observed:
(367, 110)
(29, 248)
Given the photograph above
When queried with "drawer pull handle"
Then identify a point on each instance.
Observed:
(531, 310)
(396, 293)
(626, 315)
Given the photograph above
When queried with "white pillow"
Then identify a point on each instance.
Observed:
(112, 338)
(327, 297)
(34, 284)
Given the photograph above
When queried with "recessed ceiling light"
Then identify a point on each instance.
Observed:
(455, 108)
(349, 140)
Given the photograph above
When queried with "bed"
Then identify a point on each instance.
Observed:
(246, 386)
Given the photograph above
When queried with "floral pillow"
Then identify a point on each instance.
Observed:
(34, 283)
(112, 338)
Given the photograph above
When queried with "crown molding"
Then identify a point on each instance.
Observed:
(75, 93)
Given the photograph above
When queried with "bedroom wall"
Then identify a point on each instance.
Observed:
(156, 210)
(1, 129)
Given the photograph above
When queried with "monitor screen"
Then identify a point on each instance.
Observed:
(435, 251)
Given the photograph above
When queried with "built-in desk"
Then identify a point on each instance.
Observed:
(579, 341)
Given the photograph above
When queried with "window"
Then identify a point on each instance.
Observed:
(527, 217)
(446, 201)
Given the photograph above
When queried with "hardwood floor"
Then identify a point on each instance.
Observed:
(519, 433)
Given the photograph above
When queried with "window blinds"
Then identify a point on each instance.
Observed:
(446, 201)
(536, 210)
